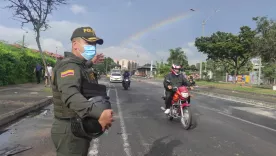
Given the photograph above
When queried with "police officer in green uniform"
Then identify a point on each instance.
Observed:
(71, 80)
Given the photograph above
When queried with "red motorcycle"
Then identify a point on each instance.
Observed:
(180, 107)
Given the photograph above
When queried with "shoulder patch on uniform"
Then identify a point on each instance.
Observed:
(92, 76)
(67, 73)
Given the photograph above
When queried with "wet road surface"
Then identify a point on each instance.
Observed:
(222, 128)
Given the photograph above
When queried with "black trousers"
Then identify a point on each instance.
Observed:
(38, 76)
(168, 99)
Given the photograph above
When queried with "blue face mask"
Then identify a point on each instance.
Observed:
(89, 52)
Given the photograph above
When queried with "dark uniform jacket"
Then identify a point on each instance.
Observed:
(71, 79)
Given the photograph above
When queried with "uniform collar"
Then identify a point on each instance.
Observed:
(74, 57)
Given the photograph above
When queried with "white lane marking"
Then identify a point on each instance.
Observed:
(237, 118)
(95, 143)
(126, 144)
(238, 100)
(94, 150)
(258, 111)
(108, 91)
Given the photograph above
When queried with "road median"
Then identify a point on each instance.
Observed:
(17, 113)
(19, 100)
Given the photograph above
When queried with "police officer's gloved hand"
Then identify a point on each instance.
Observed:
(91, 125)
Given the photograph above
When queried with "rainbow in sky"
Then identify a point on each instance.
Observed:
(155, 26)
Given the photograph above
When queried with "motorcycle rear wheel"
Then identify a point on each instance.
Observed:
(188, 122)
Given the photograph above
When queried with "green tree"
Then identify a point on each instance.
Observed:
(233, 50)
(106, 66)
(162, 68)
(178, 56)
(265, 42)
(35, 12)
(193, 68)
(269, 71)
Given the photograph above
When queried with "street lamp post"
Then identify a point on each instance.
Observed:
(203, 33)
(23, 41)
(56, 53)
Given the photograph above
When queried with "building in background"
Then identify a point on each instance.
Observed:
(144, 71)
(125, 64)
(197, 66)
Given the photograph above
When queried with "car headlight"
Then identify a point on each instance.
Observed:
(184, 94)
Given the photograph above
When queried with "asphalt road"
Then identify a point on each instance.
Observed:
(221, 128)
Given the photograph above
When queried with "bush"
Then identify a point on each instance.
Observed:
(17, 65)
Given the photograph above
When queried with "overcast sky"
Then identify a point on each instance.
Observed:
(163, 24)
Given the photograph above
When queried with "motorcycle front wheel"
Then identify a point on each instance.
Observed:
(186, 119)
(125, 86)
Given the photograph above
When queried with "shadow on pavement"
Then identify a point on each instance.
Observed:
(195, 118)
(162, 148)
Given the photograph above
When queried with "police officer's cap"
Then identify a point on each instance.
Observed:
(88, 34)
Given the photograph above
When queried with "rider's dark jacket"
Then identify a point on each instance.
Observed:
(176, 81)
(126, 75)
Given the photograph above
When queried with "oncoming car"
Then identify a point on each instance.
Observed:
(115, 77)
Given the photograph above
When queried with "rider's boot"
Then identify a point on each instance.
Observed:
(167, 111)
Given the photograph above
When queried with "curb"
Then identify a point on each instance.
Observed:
(13, 115)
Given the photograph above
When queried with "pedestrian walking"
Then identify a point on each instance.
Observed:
(37, 71)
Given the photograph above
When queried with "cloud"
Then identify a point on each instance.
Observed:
(192, 53)
(56, 37)
(191, 44)
(78, 9)
(129, 3)
(133, 52)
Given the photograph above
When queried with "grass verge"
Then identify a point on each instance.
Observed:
(237, 87)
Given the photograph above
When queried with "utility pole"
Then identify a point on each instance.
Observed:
(56, 53)
(106, 66)
(151, 68)
(23, 42)
(260, 71)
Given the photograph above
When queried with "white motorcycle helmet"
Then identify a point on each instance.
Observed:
(176, 69)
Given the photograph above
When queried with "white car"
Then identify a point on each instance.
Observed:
(115, 77)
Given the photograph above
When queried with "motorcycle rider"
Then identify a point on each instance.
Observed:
(176, 80)
(126, 75)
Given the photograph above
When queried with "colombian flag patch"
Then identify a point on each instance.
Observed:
(67, 73)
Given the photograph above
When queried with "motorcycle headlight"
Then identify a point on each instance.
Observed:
(184, 94)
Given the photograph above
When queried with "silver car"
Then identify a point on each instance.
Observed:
(115, 77)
